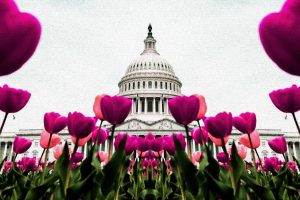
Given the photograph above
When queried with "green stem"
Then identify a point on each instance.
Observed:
(3, 122)
(201, 133)
(224, 149)
(41, 158)
(47, 149)
(253, 157)
(14, 157)
(188, 137)
(111, 141)
(260, 162)
(285, 158)
(295, 120)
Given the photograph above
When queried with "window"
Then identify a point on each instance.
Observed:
(166, 85)
(138, 87)
(144, 84)
(161, 85)
(143, 104)
(133, 85)
(128, 86)
(155, 84)
(156, 105)
(264, 153)
(173, 86)
(137, 106)
(35, 153)
(263, 143)
(149, 84)
(170, 86)
(36, 143)
(125, 87)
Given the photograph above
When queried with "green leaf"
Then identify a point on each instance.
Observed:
(222, 189)
(39, 191)
(78, 188)
(187, 169)
(63, 164)
(113, 169)
(149, 194)
(213, 167)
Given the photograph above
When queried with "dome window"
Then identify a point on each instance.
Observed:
(173, 86)
(125, 87)
(149, 84)
(161, 85)
(128, 86)
(138, 85)
(133, 86)
(144, 84)
(155, 84)
(170, 86)
(166, 85)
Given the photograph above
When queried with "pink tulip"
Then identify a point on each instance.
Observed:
(97, 106)
(202, 107)
(244, 139)
(197, 136)
(21, 145)
(103, 156)
(219, 126)
(184, 109)
(286, 100)
(292, 166)
(54, 122)
(44, 139)
(100, 136)
(245, 122)
(280, 36)
(197, 156)
(81, 141)
(115, 109)
(57, 151)
(7, 166)
(20, 35)
(278, 145)
(80, 126)
(217, 141)
(12, 100)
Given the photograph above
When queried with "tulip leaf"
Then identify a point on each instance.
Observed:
(2, 162)
(77, 189)
(213, 166)
(237, 166)
(149, 194)
(187, 169)
(39, 191)
(86, 165)
(63, 164)
(113, 169)
(260, 191)
(225, 191)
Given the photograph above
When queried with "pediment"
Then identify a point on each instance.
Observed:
(137, 126)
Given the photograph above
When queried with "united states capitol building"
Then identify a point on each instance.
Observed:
(149, 81)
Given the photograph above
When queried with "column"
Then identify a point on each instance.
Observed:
(288, 152)
(167, 107)
(139, 105)
(161, 105)
(146, 105)
(11, 151)
(154, 105)
(294, 150)
(5, 150)
(132, 105)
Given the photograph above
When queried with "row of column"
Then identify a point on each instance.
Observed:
(6, 150)
(140, 102)
(293, 150)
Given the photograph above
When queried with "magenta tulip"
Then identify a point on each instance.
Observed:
(13, 100)
(21, 145)
(197, 135)
(130, 145)
(115, 109)
(27, 164)
(219, 126)
(184, 109)
(44, 140)
(54, 122)
(168, 142)
(286, 100)
(255, 139)
(77, 157)
(280, 36)
(245, 122)
(80, 126)
(7, 166)
(272, 163)
(20, 35)
(221, 157)
(100, 136)
(278, 145)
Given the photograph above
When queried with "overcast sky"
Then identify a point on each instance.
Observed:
(213, 46)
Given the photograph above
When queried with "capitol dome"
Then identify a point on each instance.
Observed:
(149, 81)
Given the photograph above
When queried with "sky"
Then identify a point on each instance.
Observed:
(212, 45)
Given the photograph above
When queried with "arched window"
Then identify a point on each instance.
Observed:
(170, 86)
(144, 84)
(150, 84)
(155, 84)
(174, 86)
(161, 85)
(138, 87)
(125, 87)
(133, 85)
(166, 85)
(128, 86)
